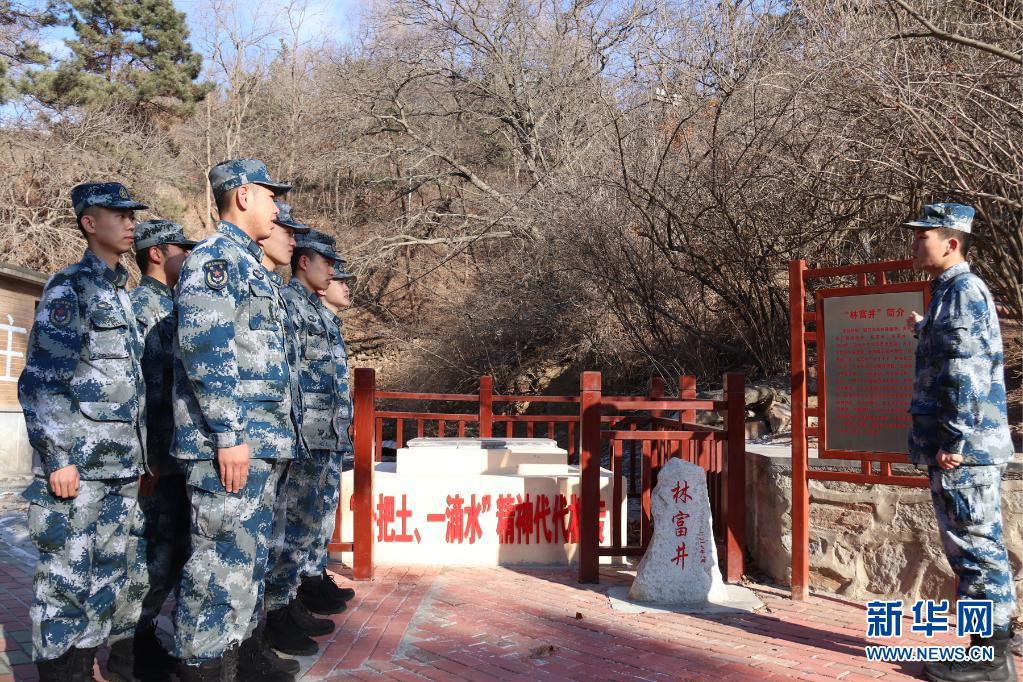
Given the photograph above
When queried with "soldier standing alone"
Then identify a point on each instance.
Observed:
(960, 428)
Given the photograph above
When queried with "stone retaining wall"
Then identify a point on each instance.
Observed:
(866, 542)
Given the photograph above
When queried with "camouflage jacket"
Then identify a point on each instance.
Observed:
(82, 389)
(294, 367)
(323, 368)
(343, 419)
(232, 383)
(959, 386)
(153, 302)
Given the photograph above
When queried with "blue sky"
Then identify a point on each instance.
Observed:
(332, 20)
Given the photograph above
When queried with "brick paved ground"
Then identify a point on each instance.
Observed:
(472, 624)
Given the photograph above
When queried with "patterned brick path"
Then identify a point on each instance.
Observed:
(495, 624)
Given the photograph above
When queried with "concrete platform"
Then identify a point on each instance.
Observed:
(473, 456)
(478, 502)
(476, 519)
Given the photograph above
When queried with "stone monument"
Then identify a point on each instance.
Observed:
(680, 565)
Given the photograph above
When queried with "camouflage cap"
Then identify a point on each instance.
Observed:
(951, 216)
(105, 194)
(227, 175)
(340, 273)
(285, 218)
(155, 232)
(322, 244)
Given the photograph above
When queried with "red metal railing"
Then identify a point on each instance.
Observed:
(484, 423)
(719, 451)
(650, 438)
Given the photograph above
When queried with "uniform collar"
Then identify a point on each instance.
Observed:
(955, 270)
(235, 234)
(275, 278)
(156, 285)
(310, 295)
(118, 276)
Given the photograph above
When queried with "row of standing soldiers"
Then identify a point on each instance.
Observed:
(227, 391)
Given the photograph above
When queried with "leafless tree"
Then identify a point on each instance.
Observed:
(529, 187)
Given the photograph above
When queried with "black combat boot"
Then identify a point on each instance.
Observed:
(121, 663)
(287, 665)
(83, 665)
(284, 634)
(331, 589)
(314, 597)
(207, 671)
(152, 662)
(256, 654)
(311, 625)
(230, 672)
(58, 669)
(1001, 668)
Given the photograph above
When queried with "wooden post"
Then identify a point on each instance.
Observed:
(646, 487)
(378, 431)
(486, 406)
(589, 483)
(616, 495)
(660, 448)
(735, 477)
(687, 391)
(362, 520)
(800, 484)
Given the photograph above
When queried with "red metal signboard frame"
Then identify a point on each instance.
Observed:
(801, 339)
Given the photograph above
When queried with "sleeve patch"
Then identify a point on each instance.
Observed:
(61, 313)
(216, 273)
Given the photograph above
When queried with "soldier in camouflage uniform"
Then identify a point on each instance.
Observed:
(83, 395)
(232, 419)
(257, 661)
(302, 505)
(160, 250)
(319, 586)
(960, 427)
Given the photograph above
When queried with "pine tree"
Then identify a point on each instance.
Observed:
(18, 47)
(135, 52)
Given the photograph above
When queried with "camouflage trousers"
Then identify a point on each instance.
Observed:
(299, 520)
(222, 579)
(339, 461)
(968, 505)
(166, 540)
(87, 547)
